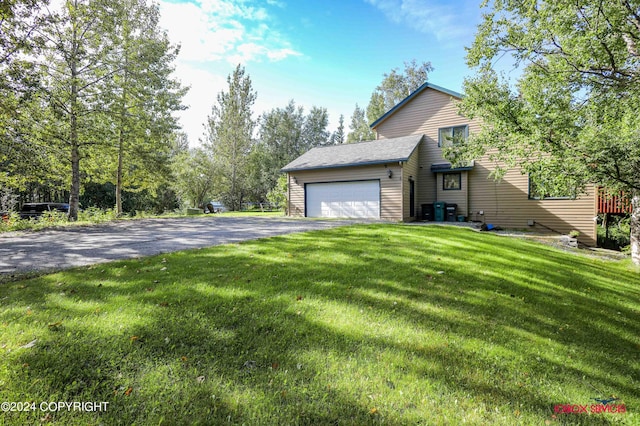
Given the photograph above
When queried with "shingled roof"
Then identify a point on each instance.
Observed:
(356, 154)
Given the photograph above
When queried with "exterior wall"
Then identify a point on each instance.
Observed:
(430, 111)
(390, 188)
(459, 197)
(504, 203)
(410, 170)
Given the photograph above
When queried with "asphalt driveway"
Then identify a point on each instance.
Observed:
(64, 248)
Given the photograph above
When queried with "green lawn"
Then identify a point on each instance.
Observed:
(375, 324)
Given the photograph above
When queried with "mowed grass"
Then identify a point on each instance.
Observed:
(373, 324)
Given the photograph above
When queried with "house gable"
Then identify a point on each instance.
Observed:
(407, 161)
(480, 198)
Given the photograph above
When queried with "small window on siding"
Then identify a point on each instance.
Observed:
(451, 181)
(448, 136)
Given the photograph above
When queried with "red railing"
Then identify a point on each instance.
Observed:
(609, 202)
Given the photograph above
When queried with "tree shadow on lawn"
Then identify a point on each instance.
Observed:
(295, 330)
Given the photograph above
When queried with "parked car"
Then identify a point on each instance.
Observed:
(214, 207)
(35, 210)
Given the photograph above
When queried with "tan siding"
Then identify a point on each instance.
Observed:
(454, 196)
(410, 171)
(390, 188)
(504, 203)
(426, 114)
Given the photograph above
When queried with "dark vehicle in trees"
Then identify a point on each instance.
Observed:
(35, 210)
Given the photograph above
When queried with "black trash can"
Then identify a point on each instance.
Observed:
(452, 211)
(427, 212)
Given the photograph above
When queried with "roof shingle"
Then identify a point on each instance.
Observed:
(356, 154)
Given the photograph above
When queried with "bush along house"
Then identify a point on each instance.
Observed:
(403, 176)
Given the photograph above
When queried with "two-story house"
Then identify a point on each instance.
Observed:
(403, 173)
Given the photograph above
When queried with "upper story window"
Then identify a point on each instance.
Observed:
(448, 136)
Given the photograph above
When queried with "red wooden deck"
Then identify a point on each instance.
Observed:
(617, 203)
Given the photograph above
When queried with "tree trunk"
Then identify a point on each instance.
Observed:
(119, 175)
(635, 226)
(74, 196)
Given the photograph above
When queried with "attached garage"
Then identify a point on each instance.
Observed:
(372, 180)
(356, 199)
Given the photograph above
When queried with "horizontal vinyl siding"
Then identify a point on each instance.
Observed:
(410, 169)
(426, 114)
(458, 197)
(504, 203)
(390, 188)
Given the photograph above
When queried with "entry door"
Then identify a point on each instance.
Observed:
(412, 198)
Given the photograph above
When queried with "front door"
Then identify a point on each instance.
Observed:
(412, 198)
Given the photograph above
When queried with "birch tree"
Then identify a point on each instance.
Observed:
(571, 119)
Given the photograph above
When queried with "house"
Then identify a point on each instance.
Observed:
(403, 176)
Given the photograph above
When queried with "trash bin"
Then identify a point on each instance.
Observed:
(439, 211)
(452, 210)
(427, 212)
(461, 218)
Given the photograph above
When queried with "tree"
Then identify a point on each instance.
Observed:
(284, 134)
(314, 131)
(396, 86)
(73, 69)
(142, 97)
(278, 194)
(571, 119)
(360, 130)
(20, 159)
(195, 178)
(376, 107)
(338, 137)
(229, 131)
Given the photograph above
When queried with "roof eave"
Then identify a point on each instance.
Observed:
(337, 166)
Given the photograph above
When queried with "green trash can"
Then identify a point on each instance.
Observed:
(439, 210)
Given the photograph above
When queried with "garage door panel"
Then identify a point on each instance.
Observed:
(360, 199)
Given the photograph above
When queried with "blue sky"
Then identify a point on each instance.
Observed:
(330, 53)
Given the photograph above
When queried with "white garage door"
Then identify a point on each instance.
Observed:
(344, 199)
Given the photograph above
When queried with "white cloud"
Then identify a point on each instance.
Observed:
(446, 21)
(212, 30)
(216, 34)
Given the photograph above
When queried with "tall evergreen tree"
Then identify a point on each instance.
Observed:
(284, 134)
(229, 131)
(376, 107)
(338, 137)
(315, 131)
(282, 138)
(360, 130)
